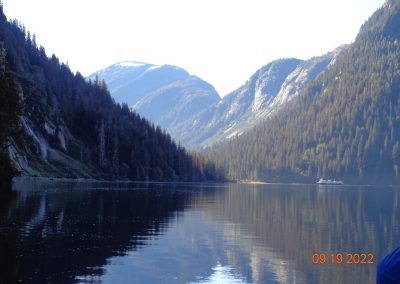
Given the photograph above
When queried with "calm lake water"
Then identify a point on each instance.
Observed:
(54, 232)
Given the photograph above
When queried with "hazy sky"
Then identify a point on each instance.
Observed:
(221, 41)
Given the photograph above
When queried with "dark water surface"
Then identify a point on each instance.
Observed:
(66, 232)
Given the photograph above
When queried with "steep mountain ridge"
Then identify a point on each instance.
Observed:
(164, 94)
(344, 125)
(191, 110)
(131, 81)
(177, 101)
(266, 91)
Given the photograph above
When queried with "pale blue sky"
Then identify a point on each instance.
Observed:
(221, 41)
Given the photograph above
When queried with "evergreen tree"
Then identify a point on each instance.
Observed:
(87, 133)
(346, 123)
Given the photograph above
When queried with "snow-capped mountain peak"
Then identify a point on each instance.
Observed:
(164, 94)
(130, 64)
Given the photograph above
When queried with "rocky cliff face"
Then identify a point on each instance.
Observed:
(265, 92)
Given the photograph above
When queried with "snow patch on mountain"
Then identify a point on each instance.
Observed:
(154, 67)
(131, 64)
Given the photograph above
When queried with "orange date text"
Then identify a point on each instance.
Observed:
(322, 258)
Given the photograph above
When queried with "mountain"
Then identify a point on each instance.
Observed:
(55, 123)
(130, 81)
(164, 94)
(191, 110)
(345, 124)
(266, 91)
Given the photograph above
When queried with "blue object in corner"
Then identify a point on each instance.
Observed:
(388, 270)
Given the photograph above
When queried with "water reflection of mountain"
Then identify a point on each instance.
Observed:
(63, 233)
(53, 235)
(278, 228)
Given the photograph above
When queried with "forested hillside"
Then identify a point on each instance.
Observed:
(73, 128)
(266, 91)
(346, 124)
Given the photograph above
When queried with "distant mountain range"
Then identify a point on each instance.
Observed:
(164, 94)
(191, 110)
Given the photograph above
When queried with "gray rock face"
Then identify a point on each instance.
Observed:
(264, 93)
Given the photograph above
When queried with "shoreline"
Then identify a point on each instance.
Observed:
(56, 179)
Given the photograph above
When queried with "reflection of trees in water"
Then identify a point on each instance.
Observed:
(55, 235)
(289, 224)
(8, 247)
(71, 231)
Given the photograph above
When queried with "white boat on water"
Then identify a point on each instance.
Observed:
(329, 182)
